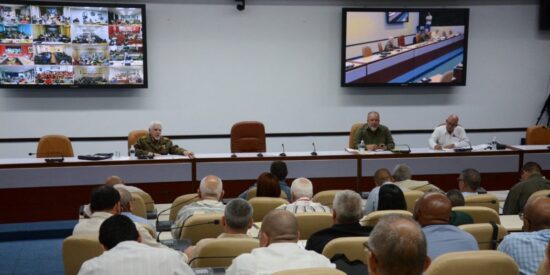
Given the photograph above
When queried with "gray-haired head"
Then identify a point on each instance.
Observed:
(301, 187)
(347, 205)
(211, 187)
(125, 198)
(154, 123)
(399, 246)
(238, 214)
(402, 172)
(471, 178)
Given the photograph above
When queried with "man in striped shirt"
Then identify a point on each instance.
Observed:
(302, 192)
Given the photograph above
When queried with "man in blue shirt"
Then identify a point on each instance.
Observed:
(433, 212)
(528, 247)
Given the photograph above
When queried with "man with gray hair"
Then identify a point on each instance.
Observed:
(237, 219)
(126, 202)
(397, 245)
(375, 135)
(346, 213)
(302, 192)
(210, 194)
(469, 182)
(155, 144)
(402, 175)
(278, 249)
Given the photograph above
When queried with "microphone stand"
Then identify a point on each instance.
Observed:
(170, 208)
(545, 107)
(283, 153)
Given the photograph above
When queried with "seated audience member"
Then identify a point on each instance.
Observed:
(346, 213)
(114, 181)
(458, 217)
(126, 208)
(390, 45)
(528, 247)
(278, 248)
(375, 135)
(402, 175)
(391, 197)
(397, 245)
(237, 219)
(279, 170)
(156, 144)
(105, 202)
(433, 211)
(302, 192)
(381, 177)
(210, 195)
(125, 254)
(448, 136)
(531, 182)
(268, 186)
(469, 182)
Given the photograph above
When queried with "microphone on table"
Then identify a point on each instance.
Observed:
(467, 149)
(314, 153)
(260, 154)
(283, 153)
(167, 226)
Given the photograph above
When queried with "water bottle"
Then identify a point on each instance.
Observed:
(132, 152)
(361, 146)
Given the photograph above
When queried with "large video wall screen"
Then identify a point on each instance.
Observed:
(77, 45)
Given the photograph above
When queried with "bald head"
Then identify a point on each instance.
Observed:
(279, 226)
(451, 123)
(433, 208)
(113, 180)
(211, 187)
(397, 239)
(382, 175)
(536, 214)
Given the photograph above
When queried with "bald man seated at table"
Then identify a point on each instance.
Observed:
(278, 248)
(449, 135)
(433, 212)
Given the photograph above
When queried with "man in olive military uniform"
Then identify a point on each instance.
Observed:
(374, 135)
(155, 144)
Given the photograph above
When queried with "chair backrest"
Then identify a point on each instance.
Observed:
(351, 247)
(251, 193)
(309, 223)
(480, 214)
(447, 77)
(367, 51)
(373, 217)
(262, 206)
(417, 38)
(354, 128)
(541, 193)
(483, 232)
(248, 136)
(401, 41)
(311, 271)
(325, 197)
(54, 146)
(134, 135)
(480, 262)
(411, 196)
(544, 269)
(147, 199)
(487, 200)
(537, 135)
(180, 202)
(138, 206)
(221, 252)
(200, 226)
(77, 250)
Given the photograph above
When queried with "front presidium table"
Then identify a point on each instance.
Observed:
(34, 190)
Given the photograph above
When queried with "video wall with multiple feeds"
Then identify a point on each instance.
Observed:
(77, 45)
(397, 47)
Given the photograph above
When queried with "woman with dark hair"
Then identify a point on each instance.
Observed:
(268, 186)
(391, 198)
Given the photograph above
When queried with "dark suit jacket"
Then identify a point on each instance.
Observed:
(319, 239)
